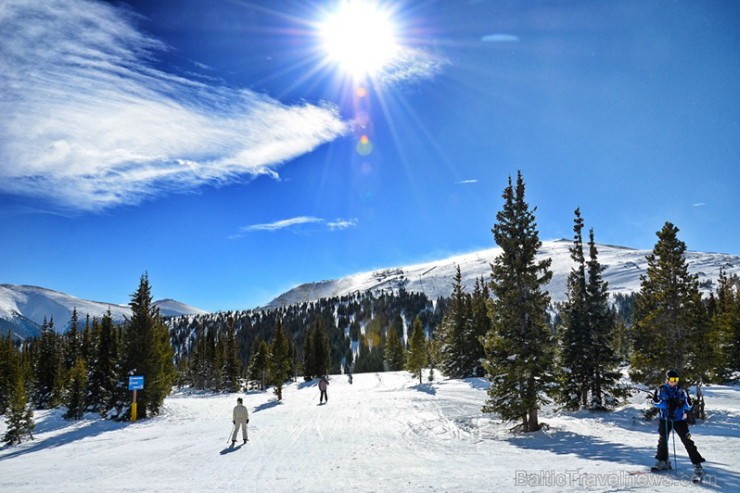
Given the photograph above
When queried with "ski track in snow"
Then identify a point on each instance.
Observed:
(384, 433)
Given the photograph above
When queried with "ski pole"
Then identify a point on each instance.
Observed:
(231, 433)
(675, 467)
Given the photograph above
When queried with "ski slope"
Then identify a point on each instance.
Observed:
(383, 433)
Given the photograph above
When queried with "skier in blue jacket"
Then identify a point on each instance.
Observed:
(673, 403)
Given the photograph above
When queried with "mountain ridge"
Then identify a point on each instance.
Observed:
(23, 309)
(624, 266)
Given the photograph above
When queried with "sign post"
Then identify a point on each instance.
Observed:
(135, 383)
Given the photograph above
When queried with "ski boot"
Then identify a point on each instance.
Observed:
(698, 474)
(661, 465)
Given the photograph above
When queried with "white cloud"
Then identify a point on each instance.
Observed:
(410, 65)
(89, 124)
(466, 182)
(340, 224)
(282, 224)
(337, 224)
(500, 38)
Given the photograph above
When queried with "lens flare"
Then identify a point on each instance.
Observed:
(364, 146)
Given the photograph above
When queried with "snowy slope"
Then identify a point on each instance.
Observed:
(624, 266)
(23, 309)
(384, 433)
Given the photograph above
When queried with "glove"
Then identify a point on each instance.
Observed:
(247, 421)
(233, 422)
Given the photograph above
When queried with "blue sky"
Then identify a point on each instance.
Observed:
(218, 145)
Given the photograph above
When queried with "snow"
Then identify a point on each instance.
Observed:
(624, 266)
(383, 433)
(35, 304)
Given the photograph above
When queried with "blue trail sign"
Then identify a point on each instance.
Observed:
(136, 383)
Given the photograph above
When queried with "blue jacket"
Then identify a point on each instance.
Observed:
(673, 402)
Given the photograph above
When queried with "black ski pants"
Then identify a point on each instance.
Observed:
(682, 430)
(323, 396)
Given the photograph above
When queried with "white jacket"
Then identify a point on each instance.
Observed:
(240, 413)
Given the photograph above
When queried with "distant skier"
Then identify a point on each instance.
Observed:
(673, 403)
(240, 419)
(323, 383)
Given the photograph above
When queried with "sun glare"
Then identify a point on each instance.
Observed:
(360, 38)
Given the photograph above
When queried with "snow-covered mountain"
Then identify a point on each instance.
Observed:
(23, 309)
(624, 266)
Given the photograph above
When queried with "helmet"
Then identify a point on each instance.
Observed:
(239, 400)
(671, 374)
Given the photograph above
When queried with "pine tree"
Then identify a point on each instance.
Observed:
(258, 364)
(149, 352)
(76, 392)
(321, 348)
(49, 370)
(603, 384)
(19, 418)
(480, 326)
(394, 353)
(519, 346)
(417, 356)
(575, 338)
(309, 356)
(280, 361)
(7, 370)
(726, 323)
(455, 333)
(231, 363)
(104, 374)
(669, 329)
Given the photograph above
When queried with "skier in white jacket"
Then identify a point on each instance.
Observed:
(241, 418)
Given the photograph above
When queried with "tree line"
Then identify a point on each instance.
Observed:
(507, 330)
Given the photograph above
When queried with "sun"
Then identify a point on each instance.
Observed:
(360, 37)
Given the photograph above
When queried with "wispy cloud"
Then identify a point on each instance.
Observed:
(337, 224)
(282, 224)
(466, 182)
(500, 38)
(88, 123)
(340, 224)
(699, 204)
(412, 65)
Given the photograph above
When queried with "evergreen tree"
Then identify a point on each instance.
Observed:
(149, 352)
(49, 378)
(519, 346)
(8, 355)
(434, 356)
(576, 366)
(259, 364)
(480, 326)
(455, 333)
(603, 384)
(76, 392)
(231, 364)
(104, 375)
(417, 357)
(394, 353)
(19, 418)
(280, 361)
(669, 329)
(309, 356)
(321, 349)
(72, 342)
(726, 323)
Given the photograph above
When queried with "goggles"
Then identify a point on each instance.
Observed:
(673, 379)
